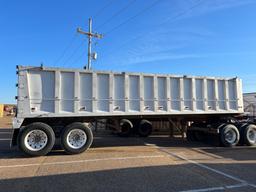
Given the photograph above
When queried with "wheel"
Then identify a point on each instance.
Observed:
(36, 139)
(199, 136)
(229, 135)
(145, 128)
(249, 135)
(76, 138)
(241, 129)
(125, 128)
(190, 135)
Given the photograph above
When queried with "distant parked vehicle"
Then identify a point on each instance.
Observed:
(1, 110)
(9, 109)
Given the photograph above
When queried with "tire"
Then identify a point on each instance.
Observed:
(190, 135)
(241, 129)
(229, 135)
(125, 128)
(249, 135)
(199, 136)
(41, 132)
(145, 128)
(76, 138)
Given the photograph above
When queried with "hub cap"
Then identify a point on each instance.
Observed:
(35, 140)
(230, 136)
(76, 138)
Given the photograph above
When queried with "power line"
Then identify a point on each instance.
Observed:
(136, 15)
(171, 19)
(75, 35)
(199, 2)
(73, 53)
(117, 13)
(138, 37)
(68, 46)
(103, 8)
(124, 44)
(79, 57)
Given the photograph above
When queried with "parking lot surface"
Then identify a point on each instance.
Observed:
(157, 163)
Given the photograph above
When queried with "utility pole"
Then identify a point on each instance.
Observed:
(90, 35)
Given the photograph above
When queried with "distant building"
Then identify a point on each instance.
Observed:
(250, 104)
(1, 110)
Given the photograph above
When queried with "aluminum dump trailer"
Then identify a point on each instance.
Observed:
(56, 102)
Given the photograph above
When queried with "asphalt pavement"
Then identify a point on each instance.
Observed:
(157, 163)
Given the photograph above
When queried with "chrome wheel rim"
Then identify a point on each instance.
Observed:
(230, 136)
(36, 140)
(76, 138)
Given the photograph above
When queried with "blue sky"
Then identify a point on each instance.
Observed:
(216, 37)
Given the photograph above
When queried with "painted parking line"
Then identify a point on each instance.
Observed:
(4, 132)
(6, 139)
(218, 188)
(237, 147)
(203, 166)
(198, 150)
(240, 181)
(83, 161)
(252, 185)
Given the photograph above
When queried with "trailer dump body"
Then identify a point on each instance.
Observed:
(55, 92)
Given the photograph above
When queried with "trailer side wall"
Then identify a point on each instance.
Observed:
(54, 92)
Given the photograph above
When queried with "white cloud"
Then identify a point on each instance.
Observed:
(154, 58)
(187, 9)
(163, 43)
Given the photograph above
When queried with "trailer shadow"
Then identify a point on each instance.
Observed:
(111, 141)
(159, 140)
(149, 178)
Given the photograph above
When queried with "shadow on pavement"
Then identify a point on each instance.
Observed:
(154, 178)
(105, 141)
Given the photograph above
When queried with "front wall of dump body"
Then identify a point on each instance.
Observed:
(55, 92)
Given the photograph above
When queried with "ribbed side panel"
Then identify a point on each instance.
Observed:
(61, 92)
